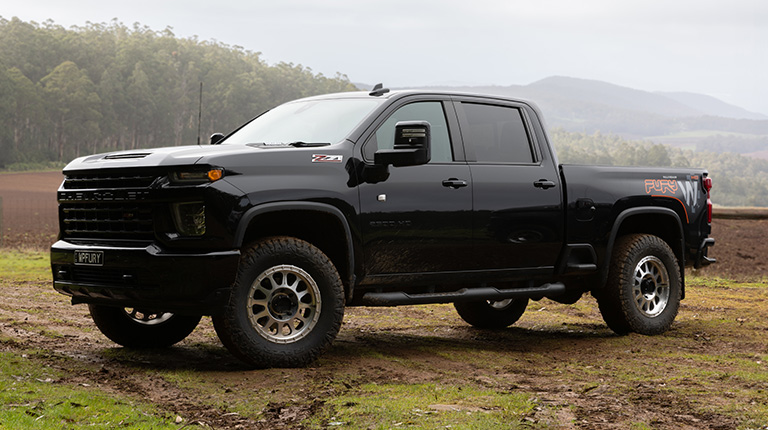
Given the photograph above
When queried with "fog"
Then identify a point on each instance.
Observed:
(710, 47)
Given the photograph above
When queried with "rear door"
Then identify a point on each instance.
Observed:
(517, 194)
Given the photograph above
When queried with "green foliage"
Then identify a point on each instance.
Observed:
(738, 180)
(103, 87)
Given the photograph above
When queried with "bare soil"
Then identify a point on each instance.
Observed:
(741, 249)
(29, 216)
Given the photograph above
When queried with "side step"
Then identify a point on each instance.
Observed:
(465, 294)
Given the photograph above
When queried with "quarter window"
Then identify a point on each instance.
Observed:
(497, 134)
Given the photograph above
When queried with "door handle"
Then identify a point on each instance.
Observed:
(544, 184)
(455, 183)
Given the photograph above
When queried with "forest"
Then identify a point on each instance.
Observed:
(67, 92)
(102, 87)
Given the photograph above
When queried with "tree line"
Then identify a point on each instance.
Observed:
(66, 92)
(738, 180)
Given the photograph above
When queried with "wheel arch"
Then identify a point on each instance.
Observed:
(658, 221)
(322, 225)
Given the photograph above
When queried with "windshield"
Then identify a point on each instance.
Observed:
(310, 121)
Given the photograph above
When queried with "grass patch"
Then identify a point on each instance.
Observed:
(696, 281)
(425, 406)
(24, 265)
(227, 395)
(34, 397)
(40, 166)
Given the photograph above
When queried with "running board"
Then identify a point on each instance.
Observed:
(465, 294)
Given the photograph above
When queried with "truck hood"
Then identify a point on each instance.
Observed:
(169, 156)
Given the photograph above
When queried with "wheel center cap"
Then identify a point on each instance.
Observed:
(283, 305)
(648, 287)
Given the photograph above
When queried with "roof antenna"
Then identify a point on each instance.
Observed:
(378, 90)
(200, 113)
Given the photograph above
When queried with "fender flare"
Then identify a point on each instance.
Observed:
(637, 211)
(262, 209)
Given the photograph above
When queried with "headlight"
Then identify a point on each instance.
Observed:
(189, 218)
(189, 177)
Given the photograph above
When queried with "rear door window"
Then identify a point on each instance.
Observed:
(496, 134)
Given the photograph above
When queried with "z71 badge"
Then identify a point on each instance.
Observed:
(320, 158)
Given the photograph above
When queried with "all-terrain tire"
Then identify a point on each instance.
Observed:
(133, 328)
(286, 306)
(489, 314)
(644, 286)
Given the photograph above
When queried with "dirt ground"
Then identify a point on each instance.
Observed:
(579, 373)
(741, 249)
(29, 211)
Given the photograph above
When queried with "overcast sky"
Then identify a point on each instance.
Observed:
(714, 47)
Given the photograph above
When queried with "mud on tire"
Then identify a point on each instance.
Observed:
(286, 306)
(644, 286)
(134, 328)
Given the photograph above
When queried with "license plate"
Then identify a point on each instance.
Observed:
(89, 258)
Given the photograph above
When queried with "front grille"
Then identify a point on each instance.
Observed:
(109, 204)
(107, 180)
(107, 220)
(98, 275)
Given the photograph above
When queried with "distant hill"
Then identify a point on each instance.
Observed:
(604, 93)
(670, 104)
(712, 106)
(592, 92)
(687, 120)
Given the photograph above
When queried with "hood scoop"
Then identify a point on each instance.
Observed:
(123, 156)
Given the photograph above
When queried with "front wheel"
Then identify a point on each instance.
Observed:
(644, 286)
(286, 305)
(492, 314)
(135, 328)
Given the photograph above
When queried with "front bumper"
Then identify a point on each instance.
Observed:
(146, 277)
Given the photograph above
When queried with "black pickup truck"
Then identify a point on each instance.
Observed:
(377, 198)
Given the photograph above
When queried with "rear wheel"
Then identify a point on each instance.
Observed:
(492, 314)
(135, 328)
(286, 306)
(644, 286)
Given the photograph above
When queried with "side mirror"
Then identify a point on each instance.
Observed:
(216, 138)
(413, 140)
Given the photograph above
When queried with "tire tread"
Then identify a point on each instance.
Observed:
(615, 304)
(236, 337)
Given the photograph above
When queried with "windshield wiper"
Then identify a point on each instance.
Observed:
(297, 144)
(300, 144)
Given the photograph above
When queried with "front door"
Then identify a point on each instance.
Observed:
(417, 219)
